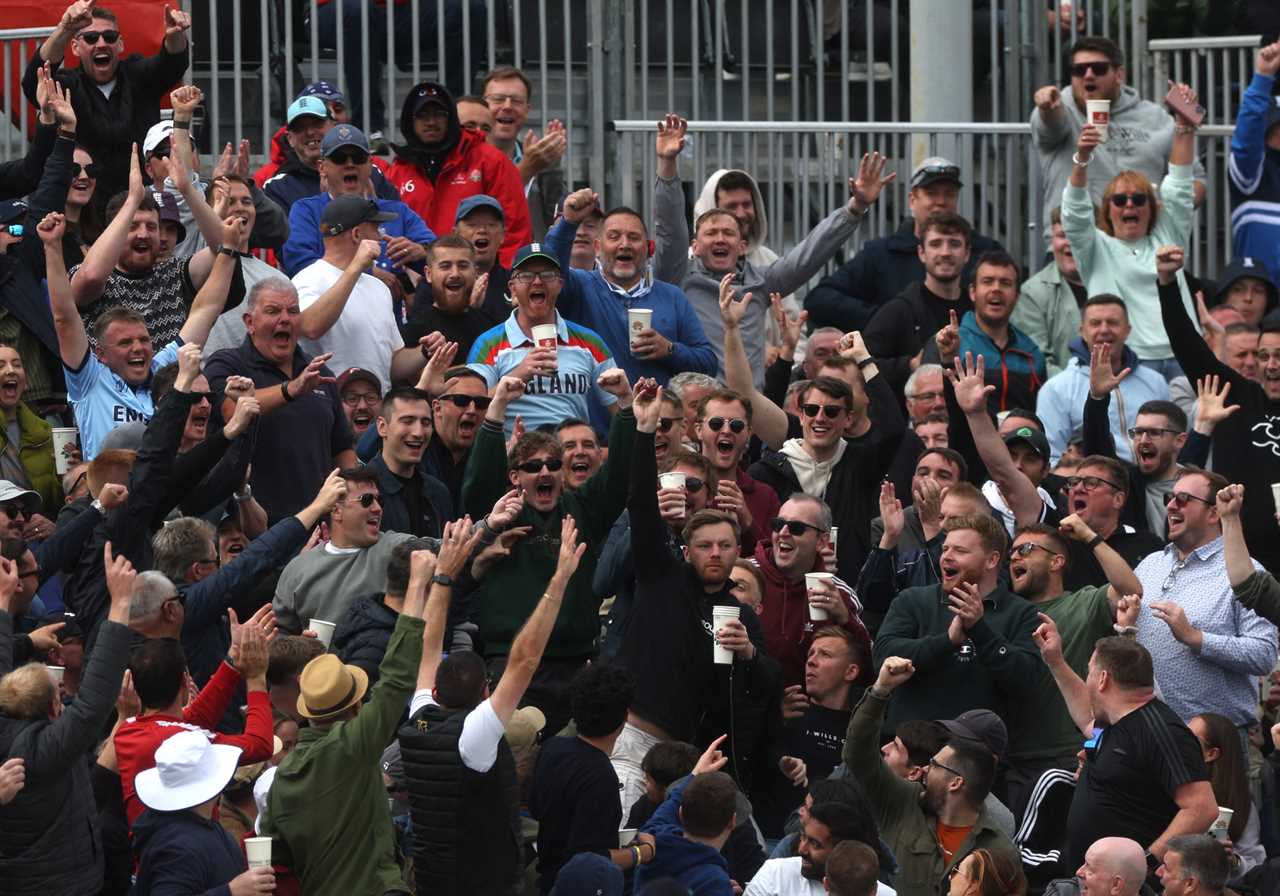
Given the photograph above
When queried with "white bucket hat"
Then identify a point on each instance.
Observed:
(189, 771)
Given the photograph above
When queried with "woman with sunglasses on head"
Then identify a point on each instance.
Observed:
(1116, 248)
(1228, 767)
(985, 872)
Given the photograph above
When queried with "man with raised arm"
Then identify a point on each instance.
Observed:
(461, 773)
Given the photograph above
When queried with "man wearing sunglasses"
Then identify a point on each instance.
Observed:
(1097, 72)
(116, 98)
(1208, 650)
(724, 432)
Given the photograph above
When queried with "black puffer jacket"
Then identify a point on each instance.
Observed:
(362, 634)
(49, 841)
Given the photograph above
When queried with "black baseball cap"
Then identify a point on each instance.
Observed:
(348, 212)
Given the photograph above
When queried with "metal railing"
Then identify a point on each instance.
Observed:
(17, 46)
(1217, 67)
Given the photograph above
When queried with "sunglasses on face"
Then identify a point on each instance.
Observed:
(1182, 499)
(830, 411)
(160, 152)
(462, 401)
(1080, 69)
(349, 157)
(15, 230)
(367, 500)
(553, 465)
(665, 423)
(1120, 200)
(795, 527)
(91, 37)
(13, 511)
(693, 485)
(90, 171)
(736, 425)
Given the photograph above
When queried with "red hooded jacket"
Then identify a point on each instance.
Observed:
(784, 612)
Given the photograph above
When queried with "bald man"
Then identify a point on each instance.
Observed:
(1113, 866)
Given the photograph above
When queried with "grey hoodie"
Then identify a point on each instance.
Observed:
(1139, 138)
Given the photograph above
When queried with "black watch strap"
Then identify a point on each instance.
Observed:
(442, 579)
(1096, 540)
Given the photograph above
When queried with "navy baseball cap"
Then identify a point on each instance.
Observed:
(347, 212)
(306, 105)
(169, 212)
(480, 200)
(13, 210)
(343, 135)
(325, 91)
(533, 250)
(430, 93)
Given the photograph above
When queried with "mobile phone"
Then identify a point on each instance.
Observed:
(1175, 103)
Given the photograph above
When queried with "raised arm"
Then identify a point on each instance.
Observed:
(768, 421)
(212, 297)
(670, 227)
(91, 277)
(73, 341)
(1120, 576)
(324, 312)
(1183, 151)
(184, 178)
(456, 545)
(76, 17)
(648, 531)
(1074, 691)
(1249, 139)
(1234, 549)
(861, 753)
(1189, 348)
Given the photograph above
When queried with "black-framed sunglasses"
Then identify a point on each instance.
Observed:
(736, 424)
(368, 498)
(161, 151)
(951, 171)
(693, 485)
(91, 37)
(348, 157)
(553, 464)
(92, 170)
(795, 527)
(462, 401)
(1184, 498)
(1120, 200)
(830, 411)
(1080, 69)
(1025, 549)
(665, 423)
(1091, 482)
(14, 511)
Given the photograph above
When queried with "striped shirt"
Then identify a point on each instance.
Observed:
(1239, 646)
(581, 356)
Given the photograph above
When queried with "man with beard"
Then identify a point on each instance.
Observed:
(441, 163)
(1097, 493)
(581, 453)
(968, 636)
(446, 297)
(111, 385)
(1143, 775)
(303, 433)
(724, 433)
(116, 99)
(1247, 441)
(718, 247)
(412, 501)
(825, 826)
(931, 826)
(533, 467)
(458, 413)
(681, 692)
(361, 393)
(1050, 301)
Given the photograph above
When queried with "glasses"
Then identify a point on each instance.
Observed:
(1184, 498)
(795, 527)
(736, 425)
(553, 465)
(830, 411)
(1080, 69)
(952, 171)
(91, 170)
(176, 596)
(926, 396)
(32, 573)
(1173, 574)
(498, 99)
(1091, 482)
(665, 423)
(351, 399)
(1153, 432)
(348, 157)
(526, 278)
(1120, 200)
(15, 230)
(1025, 549)
(13, 511)
(91, 37)
(161, 151)
(933, 763)
(693, 485)
(368, 499)
(462, 401)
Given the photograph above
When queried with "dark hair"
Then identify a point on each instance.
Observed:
(461, 680)
(923, 738)
(1126, 661)
(998, 258)
(225, 180)
(1217, 482)
(1107, 298)
(1202, 858)
(709, 517)
(858, 654)
(116, 202)
(100, 12)
(947, 223)
(569, 423)
(530, 444)
(1094, 44)
(849, 820)
(157, 665)
(506, 73)
(724, 395)
(288, 655)
(1053, 536)
(668, 761)
(680, 456)
(599, 697)
(1177, 416)
(627, 210)
(1117, 470)
(451, 240)
(999, 873)
(14, 548)
(402, 393)
(836, 790)
(933, 417)
(852, 869)
(1228, 773)
(975, 762)
(461, 371)
(707, 804)
(1270, 326)
(359, 474)
(1237, 328)
(398, 564)
(832, 387)
(1024, 414)
(950, 455)
(734, 180)
(162, 381)
(112, 315)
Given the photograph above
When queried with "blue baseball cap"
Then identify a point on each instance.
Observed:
(13, 210)
(533, 250)
(480, 200)
(306, 105)
(343, 135)
(325, 91)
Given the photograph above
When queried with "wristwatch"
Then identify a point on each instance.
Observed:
(98, 506)
(1096, 540)
(442, 579)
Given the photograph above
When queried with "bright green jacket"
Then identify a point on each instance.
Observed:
(36, 452)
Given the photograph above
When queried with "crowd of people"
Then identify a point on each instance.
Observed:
(426, 525)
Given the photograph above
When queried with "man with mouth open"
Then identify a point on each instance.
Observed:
(361, 392)
(116, 98)
(412, 500)
(1050, 301)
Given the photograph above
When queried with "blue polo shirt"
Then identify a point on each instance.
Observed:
(581, 356)
(103, 400)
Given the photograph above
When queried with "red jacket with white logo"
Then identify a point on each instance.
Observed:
(138, 738)
(474, 167)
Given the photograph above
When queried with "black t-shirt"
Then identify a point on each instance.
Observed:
(1084, 568)
(420, 524)
(1129, 779)
(817, 737)
(576, 801)
(463, 329)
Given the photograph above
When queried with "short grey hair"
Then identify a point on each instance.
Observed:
(150, 591)
(824, 512)
(181, 542)
(269, 284)
(909, 389)
(682, 381)
(835, 331)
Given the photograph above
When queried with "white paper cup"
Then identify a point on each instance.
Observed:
(626, 837)
(64, 442)
(638, 319)
(832, 535)
(817, 614)
(719, 616)
(258, 851)
(323, 630)
(1219, 828)
(1275, 494)
(545, 336)
(673, 479)
(1098, 114)
(57, 672)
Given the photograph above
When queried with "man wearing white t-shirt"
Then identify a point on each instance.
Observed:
(826, 824)
(347, 311)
